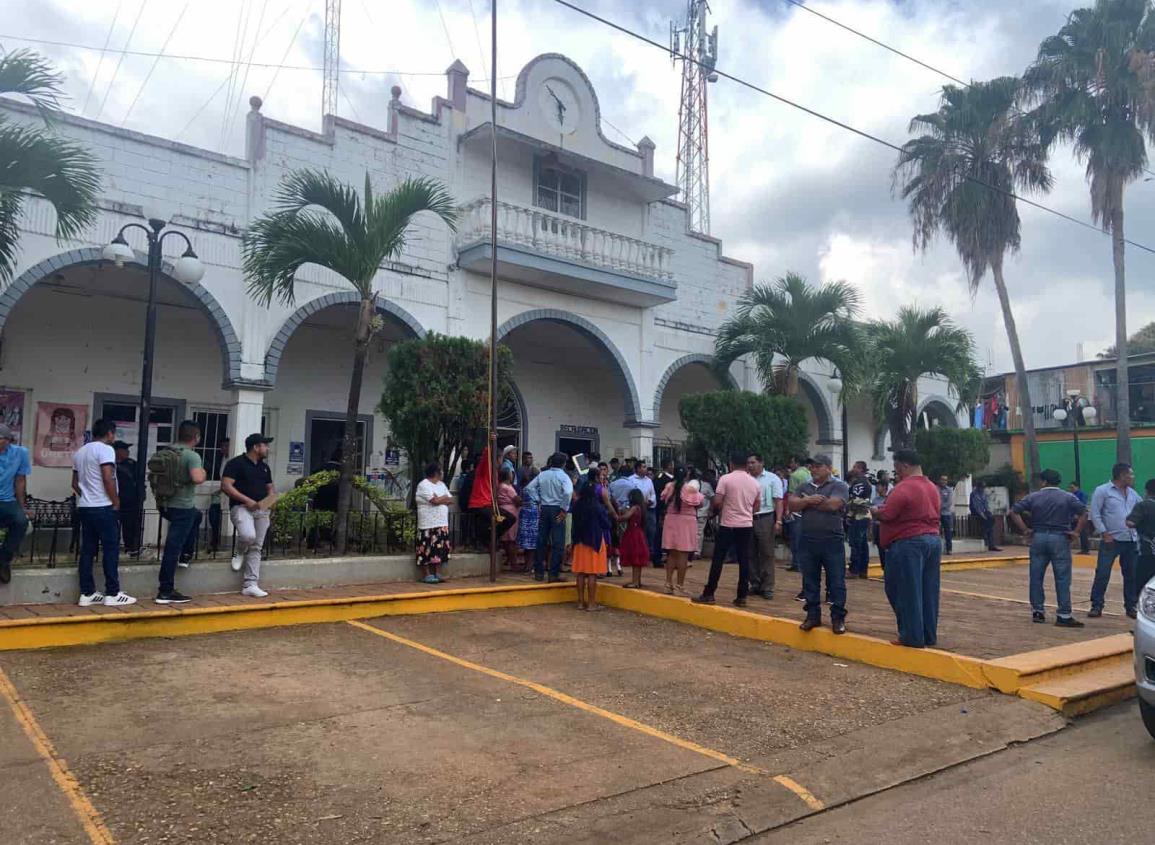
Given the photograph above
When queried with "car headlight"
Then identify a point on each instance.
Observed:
(1147, 603)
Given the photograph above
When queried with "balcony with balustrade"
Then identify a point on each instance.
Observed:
(546, 250)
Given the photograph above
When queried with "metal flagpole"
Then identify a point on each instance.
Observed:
(493, 292)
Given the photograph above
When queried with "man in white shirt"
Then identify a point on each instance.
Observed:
(97, 501)
(767, 523)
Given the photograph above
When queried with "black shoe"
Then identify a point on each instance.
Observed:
(555, 579)
(809, 624)
(703, 599)
(838, 626)
(5, 571)
(1039, 616)
(949, 552)
(994, 549)
(791, 568)
(172, 597)
(800, 597)
(538, 577)
(739, 602)
(1131, 614)
(1067, 622)
(769, 596)
(1094, 613)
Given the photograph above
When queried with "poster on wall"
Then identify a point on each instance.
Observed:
(12, 412)
(59, 433)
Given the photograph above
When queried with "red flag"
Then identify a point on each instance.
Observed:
(482, 493)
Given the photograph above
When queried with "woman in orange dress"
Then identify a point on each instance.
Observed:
(590, 549)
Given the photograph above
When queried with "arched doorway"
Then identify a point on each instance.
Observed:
(935, 412)
(575, 383)
(309, 363)
(689, 374)
(73, 335)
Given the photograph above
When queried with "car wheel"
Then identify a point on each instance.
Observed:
(1147, 711)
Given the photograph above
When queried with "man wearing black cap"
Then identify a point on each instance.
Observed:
(821, 502)
(247, 481)
(129, 513)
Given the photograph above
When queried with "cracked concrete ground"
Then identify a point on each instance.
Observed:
(327, 733)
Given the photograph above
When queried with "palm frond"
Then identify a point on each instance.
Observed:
(11, 205)
(63, 172)
(29, 74)
(276, 246)
(388, 215)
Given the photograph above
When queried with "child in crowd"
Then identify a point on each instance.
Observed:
(635, 551)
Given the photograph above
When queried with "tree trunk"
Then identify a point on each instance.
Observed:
(349, 443)
(1122, 380)
(1034, 463)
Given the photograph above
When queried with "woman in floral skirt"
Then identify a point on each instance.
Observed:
(433, 545)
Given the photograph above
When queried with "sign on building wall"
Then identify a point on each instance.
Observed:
(12, 412)
(59, 432)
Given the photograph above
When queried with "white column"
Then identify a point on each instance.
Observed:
(642, 443)
(245, 417)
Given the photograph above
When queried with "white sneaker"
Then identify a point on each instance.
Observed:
(236, 562)
(121, 599)
(253, 591)
(88, 601)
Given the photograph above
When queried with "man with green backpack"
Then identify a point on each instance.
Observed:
(173, 474)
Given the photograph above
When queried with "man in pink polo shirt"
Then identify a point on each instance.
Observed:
(736, 499)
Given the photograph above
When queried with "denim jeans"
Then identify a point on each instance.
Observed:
(1128, 553)
(946, 524)
(15, 521)
(859, 536)
(814, 556)
(793, 531)
(550, 533)
(738, 540)
(1054, 548)
(912, 586)
(99, 530)
(654, 536)
(988, 524)
(181, 539)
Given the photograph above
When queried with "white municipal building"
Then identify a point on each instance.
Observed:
(608, 303)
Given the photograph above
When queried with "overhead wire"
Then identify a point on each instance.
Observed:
(120, 61)
(248, 66)
(243, 12)
(288, 49)
(155, 62)
(445, 29)
(895, 50)
(831, 120)
(103, 52)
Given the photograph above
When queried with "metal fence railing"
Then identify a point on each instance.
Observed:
(55, 542)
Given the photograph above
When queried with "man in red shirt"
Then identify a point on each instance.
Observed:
(909, 525)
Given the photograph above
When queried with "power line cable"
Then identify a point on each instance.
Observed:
(894, 50)
(292, 41)
(103, 51)
(831, 120)
(248, 66)
(445, 29)
(120, 61)
(243, 12)
(155, 62)
(203, 106)
(212, 60)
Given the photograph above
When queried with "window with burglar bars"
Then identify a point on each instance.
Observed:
(559, 188)
(214, 428)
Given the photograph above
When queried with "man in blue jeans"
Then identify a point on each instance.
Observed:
(180, 511)
(97, 502)
(821, 546)
(552, 490)
(1111, 504)
(14, 469)
(1052, 513)
(858, 520)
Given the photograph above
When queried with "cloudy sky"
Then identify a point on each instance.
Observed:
(788, 191)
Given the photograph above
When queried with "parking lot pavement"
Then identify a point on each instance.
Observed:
(1085, 784)
(537, 724)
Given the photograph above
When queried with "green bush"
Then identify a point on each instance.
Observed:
(953, 452)
(727, 421)
(292, 520)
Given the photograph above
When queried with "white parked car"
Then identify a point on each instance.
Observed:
(1145, 655)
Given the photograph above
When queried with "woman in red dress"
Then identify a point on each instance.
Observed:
(634, 550)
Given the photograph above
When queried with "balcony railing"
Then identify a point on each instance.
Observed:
(565, 238)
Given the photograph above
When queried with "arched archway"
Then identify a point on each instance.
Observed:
(276, 349)
(938, 412)
(226, 336)
(705, 361)
(687, 375)
(808, 387)
(632, 404)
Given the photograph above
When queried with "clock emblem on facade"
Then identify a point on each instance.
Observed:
(559, 105)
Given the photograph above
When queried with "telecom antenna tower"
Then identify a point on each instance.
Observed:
(332, 57)
(697, 49)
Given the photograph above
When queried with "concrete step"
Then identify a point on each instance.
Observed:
(1074, 695)
(1009, 674)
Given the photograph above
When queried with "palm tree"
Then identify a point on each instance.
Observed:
(1087, 88)
(34, 161)
(320, 220)
(917, 344)
(784, 324)
(958, 176)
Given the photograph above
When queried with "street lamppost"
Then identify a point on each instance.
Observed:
(187, 269)
(1089, 415)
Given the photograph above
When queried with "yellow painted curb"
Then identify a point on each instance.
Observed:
(46, 632)
(963, 564)
(1009, 674)
(928, 663)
